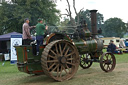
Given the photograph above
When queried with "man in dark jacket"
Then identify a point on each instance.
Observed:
(112, 48)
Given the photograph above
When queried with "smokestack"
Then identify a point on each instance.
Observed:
(94, 22)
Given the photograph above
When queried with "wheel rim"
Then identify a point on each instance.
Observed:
(107, 62)
(85, 61)
(60, 60)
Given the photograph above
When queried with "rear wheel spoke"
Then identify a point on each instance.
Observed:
(64, 47)
(64, 69)
(60, 49)
(50, 61)
(61, 69)
(70, 63)
(51, 56)
(53, 52)
(56, 49)
(70, 54)
(66, 51)
(70, 59)
(58, 72)
(51, 66)
(55, 68)
(68, 68)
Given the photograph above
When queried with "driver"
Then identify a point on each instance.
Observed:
(40, 31)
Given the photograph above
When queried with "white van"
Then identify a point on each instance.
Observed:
(106, 41)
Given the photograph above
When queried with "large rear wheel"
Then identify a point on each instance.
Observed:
(60, 60)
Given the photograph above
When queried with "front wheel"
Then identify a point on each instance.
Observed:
(85, 61)
(107, 62)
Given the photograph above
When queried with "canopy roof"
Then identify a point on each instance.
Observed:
(8, 36)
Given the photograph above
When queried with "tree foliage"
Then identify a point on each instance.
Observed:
(114, 27)
(12, 14)
(87, 16)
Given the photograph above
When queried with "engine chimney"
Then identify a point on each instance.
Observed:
(94, 23)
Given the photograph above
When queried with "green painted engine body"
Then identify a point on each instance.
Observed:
(31, 64)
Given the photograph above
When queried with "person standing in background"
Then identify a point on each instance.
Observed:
(40, 31)
(26, 32)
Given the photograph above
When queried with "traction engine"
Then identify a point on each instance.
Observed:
(61, 54)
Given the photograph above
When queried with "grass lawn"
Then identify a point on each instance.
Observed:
(9, 75)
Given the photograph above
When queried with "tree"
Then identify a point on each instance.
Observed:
(114, 27)
(69, 14)
(13, 13)
(7, 22)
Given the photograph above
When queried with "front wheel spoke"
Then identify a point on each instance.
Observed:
(69, 54)
(111, 59)
(106, 57)
(103, 59)
(84, 64)
(87, 63)
(111, 63)
(104, 65)
(108, 68)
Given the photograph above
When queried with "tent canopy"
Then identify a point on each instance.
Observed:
(8, 36)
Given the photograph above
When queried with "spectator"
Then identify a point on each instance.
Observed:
(112, 48)
(26, 32)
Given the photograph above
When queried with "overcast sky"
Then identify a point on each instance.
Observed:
(109, 8)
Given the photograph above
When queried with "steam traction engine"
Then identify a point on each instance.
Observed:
(61, 54)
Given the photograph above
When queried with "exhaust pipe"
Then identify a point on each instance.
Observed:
(94, 23)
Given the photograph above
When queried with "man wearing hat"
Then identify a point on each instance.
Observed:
(26, 32)
(113, 48)
(40, 31)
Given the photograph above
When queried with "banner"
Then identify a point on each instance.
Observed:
(15, 41)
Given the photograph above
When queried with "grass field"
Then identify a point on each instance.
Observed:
(9, 75)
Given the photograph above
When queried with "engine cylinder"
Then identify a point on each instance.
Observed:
(90, 45)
